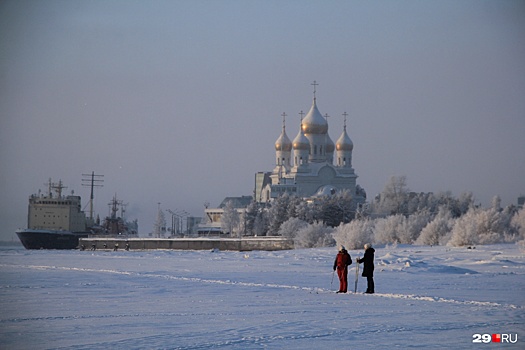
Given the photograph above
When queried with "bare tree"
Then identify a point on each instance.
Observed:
(394, 198)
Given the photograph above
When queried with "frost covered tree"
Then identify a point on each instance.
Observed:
(465, 229)
(494, 225)
(387, 229)
(230, 219)
(396, 198)
(159, 228)
(314, 236)
(511, 234)
(290, 227)
(482, 226)
(414, 224)
(277, 214)
(337, 208)
(518, 223)
(249, 217)
(294, 203)
(260, 224)
(355, 234)
(436, 230)
(304, 212)
(463, 204)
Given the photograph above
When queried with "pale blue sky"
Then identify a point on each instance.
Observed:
(179, 102)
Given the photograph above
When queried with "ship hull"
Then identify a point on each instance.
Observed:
(48, 239)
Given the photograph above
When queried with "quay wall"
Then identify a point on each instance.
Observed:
(244, 244)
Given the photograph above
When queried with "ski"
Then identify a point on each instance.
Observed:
(356, 273)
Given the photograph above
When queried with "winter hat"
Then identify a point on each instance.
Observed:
(341, 248)
(368, 245)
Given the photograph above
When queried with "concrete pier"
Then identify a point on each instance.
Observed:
(201, 243)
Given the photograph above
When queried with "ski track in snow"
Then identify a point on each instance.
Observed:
(316, 290)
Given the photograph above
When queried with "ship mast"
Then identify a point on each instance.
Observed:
(95, 181)
(57, 187)
(114, 206)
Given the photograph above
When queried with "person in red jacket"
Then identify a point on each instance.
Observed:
(341, 263)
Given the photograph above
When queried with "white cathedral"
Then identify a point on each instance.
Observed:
(305, 167)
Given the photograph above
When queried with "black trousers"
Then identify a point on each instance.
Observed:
(370, 282)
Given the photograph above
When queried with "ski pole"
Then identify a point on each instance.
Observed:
(356, 273)
(332, 282)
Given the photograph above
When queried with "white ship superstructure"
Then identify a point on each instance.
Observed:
(55, 211)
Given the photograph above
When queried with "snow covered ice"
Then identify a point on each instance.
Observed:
(431, 297)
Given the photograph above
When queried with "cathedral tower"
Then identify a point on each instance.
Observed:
(344, 148)
(301, 149)
(283, 149)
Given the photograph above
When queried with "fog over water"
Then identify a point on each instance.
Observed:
(180, 102)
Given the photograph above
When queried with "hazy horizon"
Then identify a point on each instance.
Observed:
(180, 102)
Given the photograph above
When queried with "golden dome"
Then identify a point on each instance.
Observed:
(301, 142)
(283, 143)
(344, 143)
(314, 123)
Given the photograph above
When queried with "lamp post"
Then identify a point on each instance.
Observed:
(172, 222)
(177, 217)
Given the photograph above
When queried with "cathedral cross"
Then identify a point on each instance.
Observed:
(314, 85)
(344, 115)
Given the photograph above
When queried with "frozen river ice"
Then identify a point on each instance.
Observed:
(431, 297)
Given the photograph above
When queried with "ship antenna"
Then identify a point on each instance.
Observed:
(49, 184)
(95, 181)
(57, 187)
